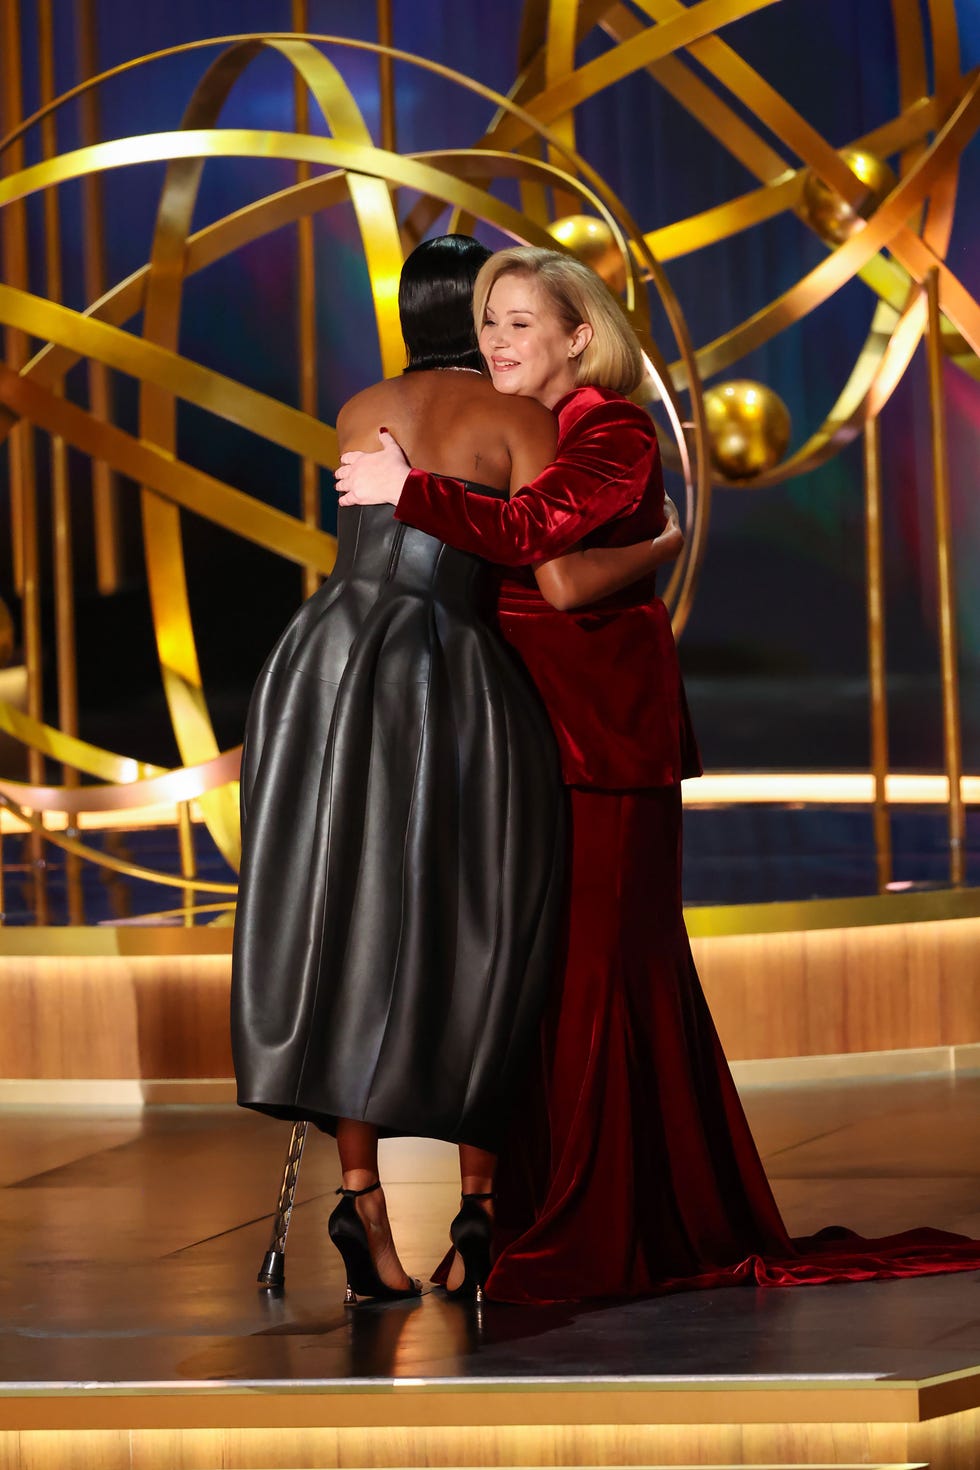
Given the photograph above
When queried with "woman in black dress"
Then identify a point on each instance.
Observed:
(402, 821)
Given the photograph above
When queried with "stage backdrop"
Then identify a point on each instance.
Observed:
(780, 596)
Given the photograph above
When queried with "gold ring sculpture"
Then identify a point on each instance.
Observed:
(850, 198)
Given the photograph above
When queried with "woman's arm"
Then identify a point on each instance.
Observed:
(587, 576)
(604, 465)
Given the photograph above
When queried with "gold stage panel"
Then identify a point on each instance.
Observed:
(719, 1426)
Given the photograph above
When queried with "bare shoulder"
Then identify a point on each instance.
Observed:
(365, 412)
(532, 433)
(528, 413)
(519, 420)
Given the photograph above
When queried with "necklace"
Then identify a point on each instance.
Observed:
(453, 368)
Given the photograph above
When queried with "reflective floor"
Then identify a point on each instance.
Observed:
(129, 1244)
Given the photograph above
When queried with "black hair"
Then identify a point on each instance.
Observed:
(435, 303)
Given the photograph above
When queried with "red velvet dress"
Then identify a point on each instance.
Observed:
(631, 1167)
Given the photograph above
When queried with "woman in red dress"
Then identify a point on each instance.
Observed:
(633, 1168)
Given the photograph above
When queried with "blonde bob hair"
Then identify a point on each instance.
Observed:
(612, 359)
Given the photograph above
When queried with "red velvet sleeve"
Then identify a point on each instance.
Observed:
(606, 456)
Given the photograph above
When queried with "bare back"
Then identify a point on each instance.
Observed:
(455, 424)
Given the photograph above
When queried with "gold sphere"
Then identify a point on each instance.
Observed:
(830, 215)
(6, 635)
(748, 425)
(593, 242)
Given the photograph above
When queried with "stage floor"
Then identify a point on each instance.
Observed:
(131, 1242)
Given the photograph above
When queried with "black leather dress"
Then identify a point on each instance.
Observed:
(403, 837)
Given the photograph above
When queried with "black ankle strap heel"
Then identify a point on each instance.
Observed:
(470, 1233)
(346, 1230)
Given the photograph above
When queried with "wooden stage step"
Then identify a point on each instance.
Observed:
(847, 979)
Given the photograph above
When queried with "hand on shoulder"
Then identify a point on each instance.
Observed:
(364, 478)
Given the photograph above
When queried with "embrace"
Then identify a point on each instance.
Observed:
(460, 908)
